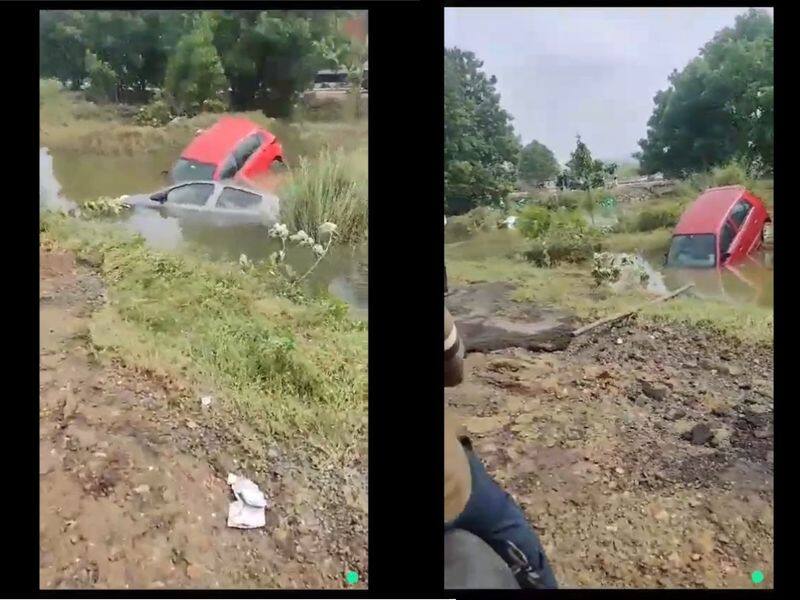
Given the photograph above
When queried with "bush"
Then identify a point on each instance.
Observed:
(568, 222)
(328, 188)
(214, 105)
(102, 80)
(565, 200)
(155, 114)
(534, 221)
(562, 247)
(650, 219)
(731, 174)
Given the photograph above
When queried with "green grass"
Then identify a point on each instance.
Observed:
(295, 370)
(331, 187)
(648, 242)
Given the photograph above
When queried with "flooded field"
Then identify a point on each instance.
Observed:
(65, 178)
(750, 282)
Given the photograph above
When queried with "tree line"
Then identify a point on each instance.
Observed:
(718, 109)
(243, 59)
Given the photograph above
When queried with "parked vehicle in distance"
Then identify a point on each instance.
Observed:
(722, 227)
(223, 203)
(232, 148)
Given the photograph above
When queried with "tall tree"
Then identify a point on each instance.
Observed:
(480, 148)
(194, 72)
(719, 107)
(537, 164)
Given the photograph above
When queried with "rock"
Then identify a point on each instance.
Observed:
(699, 435)
(619, 341)
(641, 400)
(142, 489)
(654, 391)
(504, 364)
(706, 364)
(721, 437)
(696, 557)
(675, 413)
(485, 424)
(716, 406)
(206, 401)
(731, 370)
(703, 543)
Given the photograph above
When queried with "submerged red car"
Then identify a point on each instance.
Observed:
(720, 228)
(233, 148)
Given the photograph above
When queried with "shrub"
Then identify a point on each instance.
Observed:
(650, 219)
(731, 174)
(534, 221)
(562, 247)
(155, 114)
(327, 189)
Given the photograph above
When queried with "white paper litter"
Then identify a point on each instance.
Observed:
(248, 510)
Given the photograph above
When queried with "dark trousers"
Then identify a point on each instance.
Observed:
(494, 516)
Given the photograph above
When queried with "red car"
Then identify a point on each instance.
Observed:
(233, 148)
(721, 228)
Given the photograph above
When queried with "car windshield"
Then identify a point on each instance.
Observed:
(693, 251)
(192, 170)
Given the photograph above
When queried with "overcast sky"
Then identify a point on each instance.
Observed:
(592, 71)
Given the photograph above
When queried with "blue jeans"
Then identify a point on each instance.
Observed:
(492, 515)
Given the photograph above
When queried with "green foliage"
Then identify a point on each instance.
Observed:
(583, 172)
(102, 79)
(269, 57)
(562, 246)
(534, 221)
(194, 72)
(731, 174)
(481, 151)
(154, 114)
(719, 107)
(537, 164)
(332, 188)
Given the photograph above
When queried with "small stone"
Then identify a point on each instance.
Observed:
(142, 489)
(695, 557)
(620, 470)
(191, 424)
(206, 401)
(699, 435)
(654, 391)
(619, 341)
(721, 437)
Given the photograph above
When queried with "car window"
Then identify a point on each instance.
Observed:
(192, 194)
(191, 170)
(246, 148)
(236, 198)
(693, 251)
(229, 168)
(740, 212)
(728, 233)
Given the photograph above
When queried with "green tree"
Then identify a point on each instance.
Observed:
(537, 164)
(270, 57)
(194, 73)
(102, 79)
(480, 150)
(348, 49)
(719, 107)
(62, 46)
(585, 173)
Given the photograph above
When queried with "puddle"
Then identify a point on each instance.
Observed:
(343, 273)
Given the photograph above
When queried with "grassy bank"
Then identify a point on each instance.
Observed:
(295, 370)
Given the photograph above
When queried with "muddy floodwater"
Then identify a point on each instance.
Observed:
(66, 178)
(750, 282)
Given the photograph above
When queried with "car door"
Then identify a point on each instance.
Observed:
(236, 205)
(743, 216)
(262, 159)
(727, 236)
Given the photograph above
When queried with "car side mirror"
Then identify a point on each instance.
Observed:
(159, 197)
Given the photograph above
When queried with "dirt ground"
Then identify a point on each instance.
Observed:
(132, 475)
(642, 454)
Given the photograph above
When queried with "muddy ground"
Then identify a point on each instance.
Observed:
(642, 454)
(132, 475)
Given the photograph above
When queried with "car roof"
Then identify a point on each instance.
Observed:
(217, 142)
(707, 213)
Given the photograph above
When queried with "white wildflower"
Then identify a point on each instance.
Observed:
(279, 230)
(318, 250)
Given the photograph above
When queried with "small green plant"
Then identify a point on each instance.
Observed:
(534, 221)
(154, 114)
